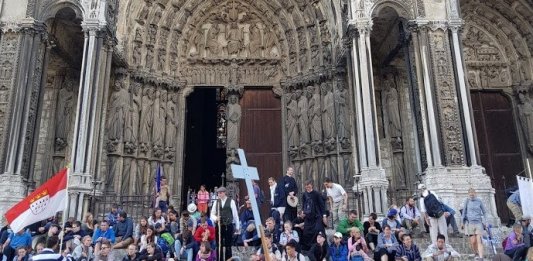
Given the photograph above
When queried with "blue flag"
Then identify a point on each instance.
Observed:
(158, 175)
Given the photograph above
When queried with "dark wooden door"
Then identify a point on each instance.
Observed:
(261, 137)
(498, 143)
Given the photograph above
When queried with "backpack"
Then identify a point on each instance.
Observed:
(504, 242)
(433, 206)
(162, 244)
(168, 238)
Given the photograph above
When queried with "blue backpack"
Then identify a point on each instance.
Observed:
(163, 245)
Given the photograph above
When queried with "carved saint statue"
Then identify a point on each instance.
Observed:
(315, 113)
(343, 128)
(213, 45)
(119, 109)
(271, 50)
(233, 117)
(149, 57)
(158, 133)
(292, 120)
(255, 41)
(132, 121)
(145, 129)
(303, 117)
(525, 111)
(234, 37)
(197, 43)
(172, 120)
(65, 107)
(393, 109)
(328, 111)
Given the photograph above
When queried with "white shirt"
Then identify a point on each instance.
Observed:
(235, 213)
(272, 191)
(336, 192)
(425, 193)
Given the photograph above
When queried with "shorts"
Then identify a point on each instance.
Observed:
(474, 229)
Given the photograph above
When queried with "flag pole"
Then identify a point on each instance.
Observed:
(65, 211)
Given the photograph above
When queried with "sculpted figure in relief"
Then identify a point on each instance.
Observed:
(233, 117)
(255, 45)
(119, 102)
(328, 111)
(234, 37)
(172, 121)
(315, 113)
(393, 109)
(525, 111)
(132, 121)
(197, 43)
(149, 57)
(147, 114)
(303, 116)
(271, 49)
(213, 46)
(292, 120)
(65, 106)
(343, 127)
(158, 133)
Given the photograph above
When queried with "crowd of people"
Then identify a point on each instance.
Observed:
(210, 227)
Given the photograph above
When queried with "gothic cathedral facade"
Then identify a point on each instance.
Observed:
(379, 95)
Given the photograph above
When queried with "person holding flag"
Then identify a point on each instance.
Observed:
(45, 201)
(162, 191)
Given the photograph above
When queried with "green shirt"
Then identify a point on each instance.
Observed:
(345, 225)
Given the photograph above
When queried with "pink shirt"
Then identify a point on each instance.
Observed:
(203, 197)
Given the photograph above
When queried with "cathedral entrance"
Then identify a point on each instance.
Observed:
(499, 149)
(204, 159)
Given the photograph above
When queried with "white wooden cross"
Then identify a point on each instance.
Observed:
(247, 173)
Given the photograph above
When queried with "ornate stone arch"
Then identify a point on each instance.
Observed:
(403, 10)
(50, 9)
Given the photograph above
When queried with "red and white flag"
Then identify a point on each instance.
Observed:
(43, 203)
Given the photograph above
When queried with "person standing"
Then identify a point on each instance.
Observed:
(337, 198)
(290, 189)
(515, 205)
(202, 199)
(472, 218)
(224, 213)
(314, 209)
(434, 215)
(278, 199)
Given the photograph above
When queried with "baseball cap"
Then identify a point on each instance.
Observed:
(337, 235)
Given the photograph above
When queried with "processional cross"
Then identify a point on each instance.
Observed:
(248, 173)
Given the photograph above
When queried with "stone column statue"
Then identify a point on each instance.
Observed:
(303, 117)
(393, 111)
(159, 126)
(525, 111)
(328, 113)
(132, 121)
(119, 109)
(343, 124)
(292, 120)
(147, 114)
(65, 105)
(315, 113)
(172, 121)
(233, 118)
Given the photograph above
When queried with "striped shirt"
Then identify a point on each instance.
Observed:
(48, 255)
(412, 254)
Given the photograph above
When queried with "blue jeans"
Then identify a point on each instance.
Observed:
(188, 253)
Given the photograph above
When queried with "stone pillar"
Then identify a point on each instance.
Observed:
(94, 79)
(372, 174)
(449, 177)
(22, 51)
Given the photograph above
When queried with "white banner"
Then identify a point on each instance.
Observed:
(526, 194)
